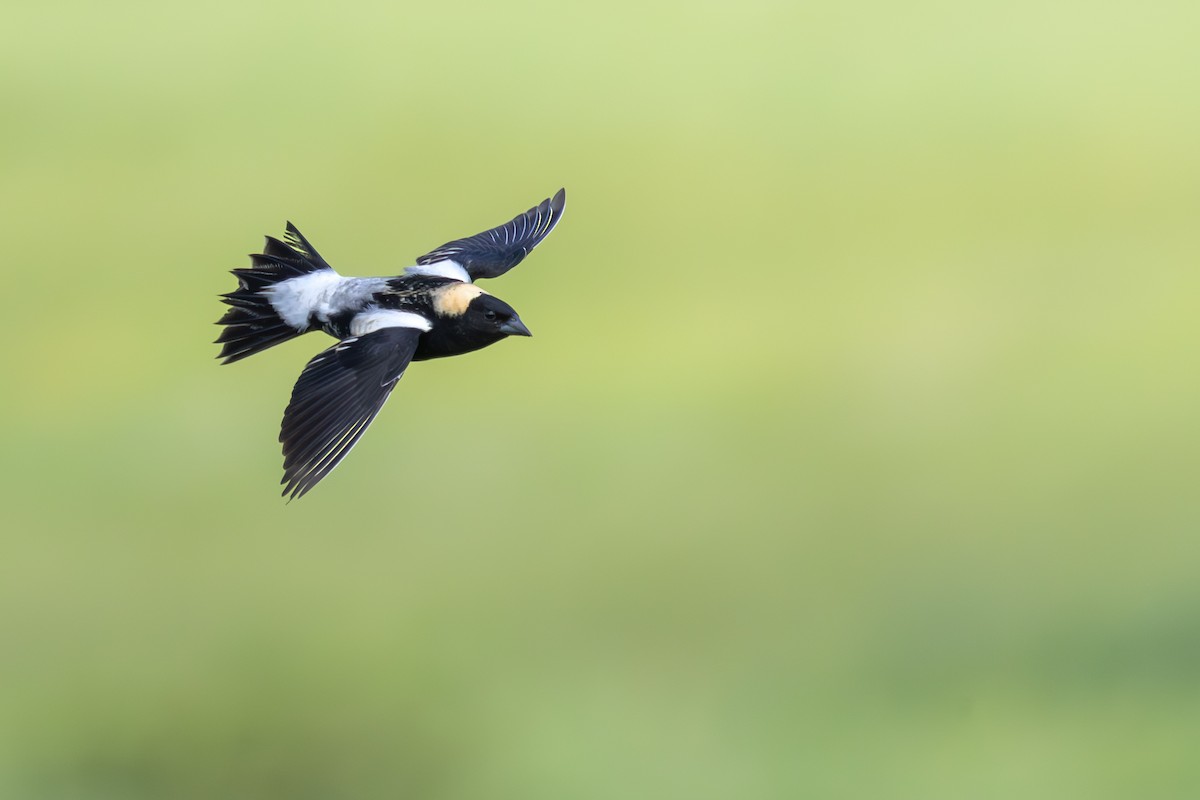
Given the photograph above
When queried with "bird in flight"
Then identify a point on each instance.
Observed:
(432, 310)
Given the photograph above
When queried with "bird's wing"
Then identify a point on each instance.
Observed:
(338, 394)
(493, 253)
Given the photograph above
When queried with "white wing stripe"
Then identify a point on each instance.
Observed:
(446, 268)
(374, 319)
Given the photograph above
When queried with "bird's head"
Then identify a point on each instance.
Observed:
(488, 313)
(476, 314)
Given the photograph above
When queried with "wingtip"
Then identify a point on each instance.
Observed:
(559, 201)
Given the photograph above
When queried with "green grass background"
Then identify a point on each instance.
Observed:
(855, 454)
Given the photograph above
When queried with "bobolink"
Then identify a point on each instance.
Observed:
(432, 310)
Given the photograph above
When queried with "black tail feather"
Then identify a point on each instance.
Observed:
(297, 242)
(252, 325)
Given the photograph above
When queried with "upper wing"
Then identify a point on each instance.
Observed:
(338, 394)
(493, 253)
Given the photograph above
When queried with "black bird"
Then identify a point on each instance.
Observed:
(432, 310)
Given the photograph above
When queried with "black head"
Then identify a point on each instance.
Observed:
(468, 318)
(490, 316)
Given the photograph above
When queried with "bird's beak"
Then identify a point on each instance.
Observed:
(514, 327)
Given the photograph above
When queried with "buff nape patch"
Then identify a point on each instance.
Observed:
(452, 301)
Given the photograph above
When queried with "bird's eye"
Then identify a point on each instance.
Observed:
(489, 315)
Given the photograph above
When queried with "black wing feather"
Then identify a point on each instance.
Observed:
(494, 252)
(336, 398)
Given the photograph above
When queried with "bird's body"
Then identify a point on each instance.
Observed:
(433, 310)
(346, 307)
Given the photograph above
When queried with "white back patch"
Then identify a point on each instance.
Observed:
(296, 298)
(443, 269)
(373, 319)
(452, 300)
(322, 293)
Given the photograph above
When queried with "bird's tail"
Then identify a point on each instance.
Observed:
(253, 323)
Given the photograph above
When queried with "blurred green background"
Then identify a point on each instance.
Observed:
(854, 456)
